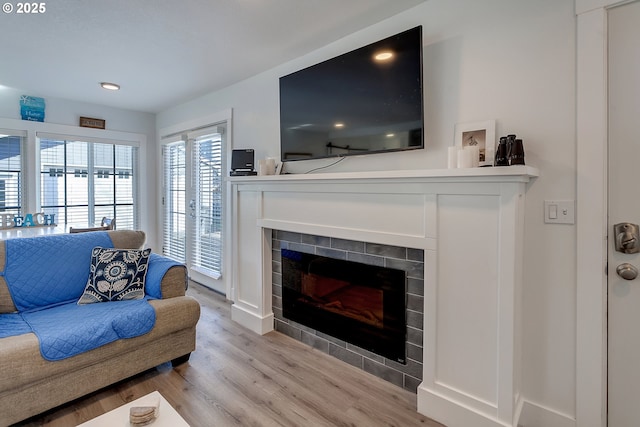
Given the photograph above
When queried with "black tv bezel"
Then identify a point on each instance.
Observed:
(337, 58)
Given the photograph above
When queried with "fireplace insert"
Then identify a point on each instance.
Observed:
(361, 304)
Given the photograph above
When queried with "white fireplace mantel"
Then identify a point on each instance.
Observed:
(469, 222)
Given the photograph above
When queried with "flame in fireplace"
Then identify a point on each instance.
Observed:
(361, 303)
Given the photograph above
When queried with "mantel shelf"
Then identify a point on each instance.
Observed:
(492, 174)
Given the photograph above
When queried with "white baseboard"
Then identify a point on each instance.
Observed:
(451, 413)
(259, 325)
(456, 414)
(534, 415)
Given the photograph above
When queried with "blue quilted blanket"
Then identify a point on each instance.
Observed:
(70, 329)
(45, 270)
(13, 324)
(158, 267)
(45, 286)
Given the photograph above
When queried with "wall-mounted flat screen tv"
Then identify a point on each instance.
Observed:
(365, 101)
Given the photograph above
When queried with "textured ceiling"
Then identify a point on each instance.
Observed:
(165, 52)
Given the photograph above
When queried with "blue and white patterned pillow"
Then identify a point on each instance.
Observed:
(116, 275)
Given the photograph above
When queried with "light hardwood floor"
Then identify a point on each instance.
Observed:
(238, 378)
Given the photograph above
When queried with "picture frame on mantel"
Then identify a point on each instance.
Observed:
(482, 134)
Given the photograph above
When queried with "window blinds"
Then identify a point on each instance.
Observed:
(81, 182)
(11, 178)
(207, 179)
(193, 199)
(174, 200)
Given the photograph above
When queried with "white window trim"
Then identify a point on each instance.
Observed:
(23, 146)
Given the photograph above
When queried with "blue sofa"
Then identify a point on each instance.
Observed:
(53, 350)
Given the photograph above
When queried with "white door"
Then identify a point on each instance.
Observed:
(624, 206)
(193, 204)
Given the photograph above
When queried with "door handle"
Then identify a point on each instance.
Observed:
(627, 271)
(627, 237)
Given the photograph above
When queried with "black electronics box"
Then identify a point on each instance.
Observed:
(243, 162)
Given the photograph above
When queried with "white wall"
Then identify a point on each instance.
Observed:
(62, 116)
(65, 112)
(509, 60)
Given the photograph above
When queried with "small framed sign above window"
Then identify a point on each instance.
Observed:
(88, 122)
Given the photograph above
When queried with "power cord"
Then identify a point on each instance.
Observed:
(328, 166)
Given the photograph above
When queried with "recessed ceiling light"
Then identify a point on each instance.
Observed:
(110, 86)
(391, 135)
(383, 56)
(339, 125)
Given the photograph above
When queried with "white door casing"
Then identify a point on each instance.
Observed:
(591, 214)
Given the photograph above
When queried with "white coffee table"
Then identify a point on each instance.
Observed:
(167, 416)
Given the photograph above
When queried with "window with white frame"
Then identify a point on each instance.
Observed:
(174, 201)
(11, 177)
(81, 182)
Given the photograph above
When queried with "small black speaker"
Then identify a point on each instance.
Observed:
(242, 162)
(242, 159)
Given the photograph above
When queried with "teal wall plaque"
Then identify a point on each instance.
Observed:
(32, 108)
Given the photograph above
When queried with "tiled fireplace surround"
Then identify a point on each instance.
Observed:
(411, 261)
(468, 223)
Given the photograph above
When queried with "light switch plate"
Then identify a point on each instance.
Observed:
(560, 211)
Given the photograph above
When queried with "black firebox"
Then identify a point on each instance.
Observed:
(361, 304)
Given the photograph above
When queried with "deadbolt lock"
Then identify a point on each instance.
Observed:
(627, 237)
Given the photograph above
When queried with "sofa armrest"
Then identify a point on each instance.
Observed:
(166, 278)
(174, 283)
(127, 239)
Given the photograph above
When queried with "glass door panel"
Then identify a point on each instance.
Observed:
(193, 204)
(174, 227)
(207, 206)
